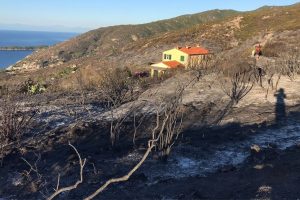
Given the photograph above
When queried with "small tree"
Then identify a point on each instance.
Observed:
(270, 72)
(289, 63)
(238, 85)
(116, 88)
(169, 122)
(164, 134)
(202, 65)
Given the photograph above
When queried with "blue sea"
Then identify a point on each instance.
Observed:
(27, 38)
(8, 58)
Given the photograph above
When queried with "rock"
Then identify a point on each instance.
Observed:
(259, 167)
(33, 187)
(255, 149)
(134, 38)
(16, 179)
(262, 166)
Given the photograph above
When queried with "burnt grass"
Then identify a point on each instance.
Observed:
(269, 173)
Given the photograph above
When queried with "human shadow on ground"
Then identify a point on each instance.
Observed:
(280, 108)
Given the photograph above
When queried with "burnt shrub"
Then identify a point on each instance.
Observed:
(273, 49)
(14, 122)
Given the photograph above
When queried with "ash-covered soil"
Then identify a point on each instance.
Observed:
(249, 154)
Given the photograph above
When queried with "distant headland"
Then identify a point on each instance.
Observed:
(23, 48)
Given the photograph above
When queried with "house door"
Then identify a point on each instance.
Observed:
(155, 74)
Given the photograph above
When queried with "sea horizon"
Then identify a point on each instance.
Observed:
(39, 31)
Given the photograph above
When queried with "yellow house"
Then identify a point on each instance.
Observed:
(179, 57)
(158, 69)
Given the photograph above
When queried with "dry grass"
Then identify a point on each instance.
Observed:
(273, 49)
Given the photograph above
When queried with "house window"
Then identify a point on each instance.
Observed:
(182, 58)
(167, 57)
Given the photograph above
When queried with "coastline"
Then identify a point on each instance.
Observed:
(33, 48)
(11, 57)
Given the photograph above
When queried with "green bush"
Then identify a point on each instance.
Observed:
(32, 87)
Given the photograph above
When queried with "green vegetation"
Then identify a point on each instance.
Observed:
(32, 87)
(66, 71)
(185, 21)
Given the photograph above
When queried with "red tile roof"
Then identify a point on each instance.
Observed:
(194, 50)
(172, 64)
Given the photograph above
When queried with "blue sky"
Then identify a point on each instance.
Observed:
(81, 15)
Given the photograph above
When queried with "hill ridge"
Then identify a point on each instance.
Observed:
(128, 44)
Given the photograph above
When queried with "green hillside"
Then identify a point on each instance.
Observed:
(136, 45)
